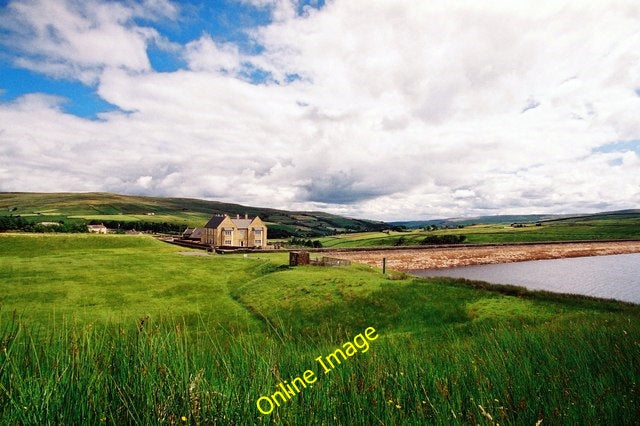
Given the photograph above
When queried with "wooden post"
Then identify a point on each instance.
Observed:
(384, 265)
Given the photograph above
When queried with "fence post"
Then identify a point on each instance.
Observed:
(384, 265)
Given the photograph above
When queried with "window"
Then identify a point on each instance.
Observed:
(227, 233)
(227, 242)
(258, 241)
(258, 231)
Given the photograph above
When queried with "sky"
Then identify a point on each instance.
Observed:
(379, 109)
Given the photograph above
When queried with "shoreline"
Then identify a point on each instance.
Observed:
(406, 259)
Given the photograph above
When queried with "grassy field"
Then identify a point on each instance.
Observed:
(585, 229)
(190, 219)
(118, 329)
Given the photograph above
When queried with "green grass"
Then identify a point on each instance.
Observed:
(102, 278)
(118, 329)
(190, 219)
(588, 229)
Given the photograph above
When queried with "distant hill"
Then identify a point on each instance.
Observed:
(130, 210)
(531, 218)
(617, 214)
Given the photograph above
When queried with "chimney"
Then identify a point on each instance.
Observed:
(237, 216)
(246, 216)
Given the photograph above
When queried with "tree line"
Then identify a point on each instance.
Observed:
(156, 227)
(433, 239)
(305, 243)
(17, 223)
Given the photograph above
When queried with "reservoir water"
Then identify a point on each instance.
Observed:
(610, 277)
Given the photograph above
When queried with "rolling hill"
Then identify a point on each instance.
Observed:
(129, 210)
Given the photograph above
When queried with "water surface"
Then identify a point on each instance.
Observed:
(612, 277)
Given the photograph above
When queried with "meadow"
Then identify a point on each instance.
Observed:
(126, 329)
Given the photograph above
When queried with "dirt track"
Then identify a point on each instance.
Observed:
(433, 258)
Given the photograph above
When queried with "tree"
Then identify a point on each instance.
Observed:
(400, 241)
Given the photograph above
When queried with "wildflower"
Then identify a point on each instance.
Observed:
(184, 418)
(398, 406)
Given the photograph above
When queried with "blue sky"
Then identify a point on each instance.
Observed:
(620, 146)
(80, 99)
(225, 21)
(387, 110)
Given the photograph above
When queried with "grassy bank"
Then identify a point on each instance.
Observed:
(119, 329)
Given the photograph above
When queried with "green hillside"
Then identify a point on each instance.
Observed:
(604, 227)
(127, 210)
(117, 329)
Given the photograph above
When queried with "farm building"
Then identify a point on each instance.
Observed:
(235, 232)
(98, 229)
(193, 234)
(49, 223)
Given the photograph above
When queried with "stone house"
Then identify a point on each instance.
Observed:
(98, 229)
(235, 232)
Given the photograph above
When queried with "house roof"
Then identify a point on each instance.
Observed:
(214, 222)
(242, 223)
(193, 233)
(96, 226)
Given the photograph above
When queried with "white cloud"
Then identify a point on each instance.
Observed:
(144, 181)
(401, 110)
(76, 39)
(205, 54)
